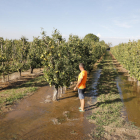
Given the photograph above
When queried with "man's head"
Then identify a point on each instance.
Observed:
(81, 66)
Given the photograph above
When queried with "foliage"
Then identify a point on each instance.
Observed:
(91, 37)
(128, 54)
(35, 50)
(61, 59)
(19, 55)
(5, 56)
(20, 51)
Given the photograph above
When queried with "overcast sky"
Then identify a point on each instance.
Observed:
(114, 21)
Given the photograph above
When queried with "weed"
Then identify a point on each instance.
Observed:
(9, 96)
(98, 132)
(108, 101)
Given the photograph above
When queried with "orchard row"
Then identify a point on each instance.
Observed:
(128, 54)
(60, 58)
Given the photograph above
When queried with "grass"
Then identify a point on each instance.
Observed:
(9, 96)
(107, 111)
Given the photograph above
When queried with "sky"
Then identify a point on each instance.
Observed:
(114, 21)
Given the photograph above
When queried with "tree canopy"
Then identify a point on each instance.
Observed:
(91, 37)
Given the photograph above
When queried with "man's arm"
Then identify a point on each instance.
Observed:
(78, 83)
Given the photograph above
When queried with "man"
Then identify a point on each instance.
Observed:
(81, 85)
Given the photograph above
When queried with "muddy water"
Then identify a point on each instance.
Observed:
(93, 92)
(38, 118)
(130, 94)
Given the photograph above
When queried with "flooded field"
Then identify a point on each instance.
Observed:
(130, 94)
(37, 117)
(129, 90)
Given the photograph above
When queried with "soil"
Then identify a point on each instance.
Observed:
(38, 117)
(16, 80)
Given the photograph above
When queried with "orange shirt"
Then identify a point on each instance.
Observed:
(82, 75)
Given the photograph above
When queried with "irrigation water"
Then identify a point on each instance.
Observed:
(38, 117)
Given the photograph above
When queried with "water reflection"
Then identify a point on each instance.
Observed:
(130, 95)
(94, 84)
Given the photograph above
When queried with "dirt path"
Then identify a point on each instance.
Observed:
(16, 80)
(116, 100)
(38, 118)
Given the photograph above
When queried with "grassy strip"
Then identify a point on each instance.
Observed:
(107, 112)
(9, 96)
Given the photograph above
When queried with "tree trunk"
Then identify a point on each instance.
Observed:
(31, 68)
(20, 72)
(65, 88)
(55, 94)
(8, 76)
(138, 83)
(3, 77)
(61, 90)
